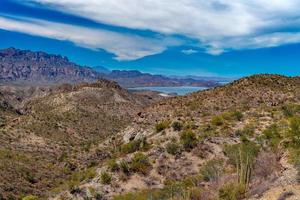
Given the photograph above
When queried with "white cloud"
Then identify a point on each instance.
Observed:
(218, 25)
(189, 51)
(261, 41)
(124, 46)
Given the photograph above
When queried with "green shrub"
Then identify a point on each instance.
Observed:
(217, 121)
(105, 178)
(188, 139)
(30, 197)
(290, 110)
(231, 192)
(113, 165)
(272, 136)
(212, 170)
(248, 130)
(77, 177)
(237, 115)
(90, 173)
(173, 148)
(140, 163)
(177, 126)
(135, 145)
(162, 126)
(30, 177)
(293, 134)
(171, 190)
(220, 120)
(124, 167)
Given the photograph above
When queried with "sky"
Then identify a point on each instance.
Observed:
(183, 37)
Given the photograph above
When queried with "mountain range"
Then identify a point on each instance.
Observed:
(27, 67)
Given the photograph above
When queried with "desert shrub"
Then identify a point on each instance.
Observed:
(105, 178)
(231, 192)
(272, 136)
(113, 165)
(124, 167)
(173, 148)
(217, 121)
(248, 130)
(237, 115)
(171, 190)
(188, 139)
(140, 163)
(190, 125)
(220, 120)
(30, 197)
(195, 193)
(77, 177)
(290, 110)
(162, 126)
(90, 173)
(30, 177)
(266, 165)
(293, 133)
(135, 145)
(177, 126)
(212, 170)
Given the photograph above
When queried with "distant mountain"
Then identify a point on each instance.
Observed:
(23, 66)
(134, 78)
(207, 78)
(102, 69)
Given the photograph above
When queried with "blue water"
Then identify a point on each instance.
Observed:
(178, 90)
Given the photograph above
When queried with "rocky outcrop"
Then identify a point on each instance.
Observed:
(39, 67)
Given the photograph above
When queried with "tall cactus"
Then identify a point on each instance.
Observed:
(243, 156)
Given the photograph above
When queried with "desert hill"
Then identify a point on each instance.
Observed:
(50, 133)
(239, 141)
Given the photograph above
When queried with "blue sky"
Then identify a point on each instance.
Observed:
(197, 37)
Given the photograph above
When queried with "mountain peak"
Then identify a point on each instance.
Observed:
(40, 67)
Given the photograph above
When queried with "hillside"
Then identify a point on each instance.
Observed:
(239, 141)
(51, 134)
(250, 92)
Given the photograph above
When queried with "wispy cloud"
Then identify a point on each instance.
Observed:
(124, 46)
(212, 23)
(218, 25)
(189, 51)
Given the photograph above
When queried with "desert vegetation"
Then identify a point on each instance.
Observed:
(239, 141)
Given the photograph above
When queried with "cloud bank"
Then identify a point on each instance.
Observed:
(217, 25)
(124, 46)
